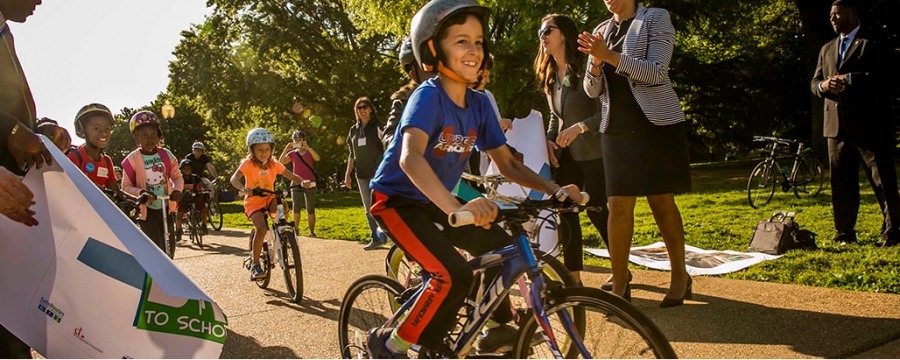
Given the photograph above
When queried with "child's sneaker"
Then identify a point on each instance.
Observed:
(178, 234)
(498, 340)
(256, 273)
(377, 344)
(203, 229)
(312, 234)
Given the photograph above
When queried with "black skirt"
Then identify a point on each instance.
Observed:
(646, 160)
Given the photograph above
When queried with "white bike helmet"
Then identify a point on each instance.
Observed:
(260, 136)
(198, 145)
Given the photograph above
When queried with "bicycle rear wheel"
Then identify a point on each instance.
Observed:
(293, 268)
(761, 185)
(810, 178)
(215, 215)
(613, 328)
(367, 304)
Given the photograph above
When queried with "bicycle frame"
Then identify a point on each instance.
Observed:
(517, 260)
(790, 178)
(279, 225)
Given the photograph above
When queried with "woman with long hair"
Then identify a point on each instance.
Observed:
(364, 141)
(573, 144)
(643, 132)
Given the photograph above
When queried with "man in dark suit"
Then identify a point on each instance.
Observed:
(849, 76)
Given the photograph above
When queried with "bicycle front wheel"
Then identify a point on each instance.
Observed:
(761, 185)
(196, 233)
(810, 178)
(612, 328)
(215, 215)
(368, 304)
(293, 268)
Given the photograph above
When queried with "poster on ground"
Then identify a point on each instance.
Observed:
(528, 137)
(698, 261)
(87, 283)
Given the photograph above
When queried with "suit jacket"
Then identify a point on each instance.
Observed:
(645, 58)
(860, 112)
(16, 103)
(576, 107)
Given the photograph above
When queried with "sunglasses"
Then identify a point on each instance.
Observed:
(362, 107)
(546, 30)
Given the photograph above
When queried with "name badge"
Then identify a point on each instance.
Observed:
(361, 142)
(264, 172)
(103, 172)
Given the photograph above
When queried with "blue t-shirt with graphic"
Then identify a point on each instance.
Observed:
(156, 178)
(453, 132)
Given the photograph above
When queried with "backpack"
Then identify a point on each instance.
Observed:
(74, 149)
(779, 234)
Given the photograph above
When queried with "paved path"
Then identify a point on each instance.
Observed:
(727, 319)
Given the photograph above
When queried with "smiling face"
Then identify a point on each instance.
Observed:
(18, 10)
(97, 130)
(147, 137)
(552, 39)
(363, 111)
(843, 19)
(187, 170)
(463, 49)
(261, 152)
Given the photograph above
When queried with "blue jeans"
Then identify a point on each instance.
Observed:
(366, 194)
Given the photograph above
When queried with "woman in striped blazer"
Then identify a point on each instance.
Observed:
(643, 133)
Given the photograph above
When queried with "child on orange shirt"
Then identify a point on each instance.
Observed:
(259, 170)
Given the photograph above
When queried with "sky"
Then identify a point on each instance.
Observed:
(114, 52)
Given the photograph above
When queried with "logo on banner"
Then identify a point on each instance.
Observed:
(46, 307)
(187, 317)
(78, 334)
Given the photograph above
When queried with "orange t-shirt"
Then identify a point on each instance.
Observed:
(255, 177)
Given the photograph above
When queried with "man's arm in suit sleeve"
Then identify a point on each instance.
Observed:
(818, 78)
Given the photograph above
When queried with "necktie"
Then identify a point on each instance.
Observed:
(843, 49)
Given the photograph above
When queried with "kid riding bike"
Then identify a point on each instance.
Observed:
(192, 202)
(259, 171)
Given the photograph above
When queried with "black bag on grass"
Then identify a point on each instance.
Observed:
(779, 234)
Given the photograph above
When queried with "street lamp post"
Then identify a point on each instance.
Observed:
(168, 111)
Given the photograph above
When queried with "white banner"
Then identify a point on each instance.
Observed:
(698, 261)
(529, 138)
(87, 283)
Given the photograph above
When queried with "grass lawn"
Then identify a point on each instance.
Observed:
(716, 216)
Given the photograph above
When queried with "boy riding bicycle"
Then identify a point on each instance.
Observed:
(443, 122)
(259, 170)
(194, 185)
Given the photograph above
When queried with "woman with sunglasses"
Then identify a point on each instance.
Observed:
(643, 132)
(366, 150)
(573, 144)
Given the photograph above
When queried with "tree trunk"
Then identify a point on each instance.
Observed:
(817, 30)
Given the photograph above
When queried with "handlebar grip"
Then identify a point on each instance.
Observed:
(461, 218)
(585, 198)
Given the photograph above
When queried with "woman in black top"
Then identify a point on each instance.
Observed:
(644, 137)
(364, 141)
(573, 141)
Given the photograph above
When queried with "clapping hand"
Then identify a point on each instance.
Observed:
(16, 199)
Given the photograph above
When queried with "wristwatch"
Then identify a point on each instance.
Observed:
(561, 195)
(581, 126)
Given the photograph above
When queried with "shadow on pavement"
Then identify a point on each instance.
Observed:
(244, 347)
(307, 305)
(710, 319)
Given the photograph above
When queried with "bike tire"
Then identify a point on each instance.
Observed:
(196, 220)
(613, 328)
(263, 262)
(170, 240)
(215, 215)
(367, 304)
(293, 266)
(761, 185)
(810, 178)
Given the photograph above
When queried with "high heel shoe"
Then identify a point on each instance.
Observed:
(688, 294)
(608, 285)
(627, 294)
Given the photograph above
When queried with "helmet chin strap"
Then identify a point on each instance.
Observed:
(452, 74)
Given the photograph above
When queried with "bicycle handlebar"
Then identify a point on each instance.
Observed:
(263, 192)
(486, 179)
(775, 139)
(462, 218)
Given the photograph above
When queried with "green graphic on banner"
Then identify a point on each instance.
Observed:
(187, 317)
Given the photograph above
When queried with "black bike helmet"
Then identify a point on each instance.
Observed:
(93, 108)
(429, 21)
(407, 57)
(185, 162)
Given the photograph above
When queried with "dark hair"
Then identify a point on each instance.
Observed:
(456, 19)
(853, 4)
(545, 69)
(488, 65)
(368, 102)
